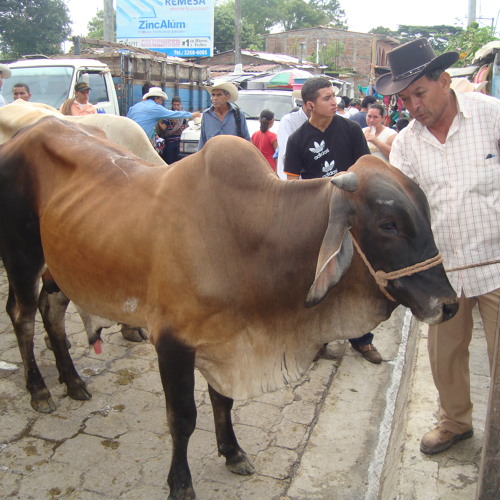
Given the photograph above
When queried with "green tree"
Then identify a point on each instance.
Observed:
(261, 14)
(295, 14)
(224, 30)
(331, 9)
(33, 27)
(467, 42)
(380, 30)
(438, 35)
(95, 26)
(330, 55)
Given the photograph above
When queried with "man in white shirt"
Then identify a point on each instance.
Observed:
(4, 74)
(288, 125)
(452, 150)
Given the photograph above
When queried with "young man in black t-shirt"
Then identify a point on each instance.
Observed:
(326, 143)
(321, 147)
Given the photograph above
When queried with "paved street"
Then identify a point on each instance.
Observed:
(349, 430)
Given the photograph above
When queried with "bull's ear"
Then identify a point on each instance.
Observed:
(334, 259)
(335, 254)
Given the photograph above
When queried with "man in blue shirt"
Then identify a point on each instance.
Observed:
(222, 118)
(360, 117)
(147, 112)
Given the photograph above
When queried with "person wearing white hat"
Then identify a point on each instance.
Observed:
(4, 74)
(464, 85)
(147, 112)
(222, 118)
(451, 149)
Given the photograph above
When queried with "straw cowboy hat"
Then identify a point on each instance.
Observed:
(155, 92)
(408, 62)
(464, 85)
(5, 71)
(227, 86)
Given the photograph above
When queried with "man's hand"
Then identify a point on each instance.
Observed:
(196, 114)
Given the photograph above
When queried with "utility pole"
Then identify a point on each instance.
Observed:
(109, 29)
(301, 52)
(471, 17)
(238, 66)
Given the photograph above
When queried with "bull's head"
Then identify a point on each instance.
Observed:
(391, 223)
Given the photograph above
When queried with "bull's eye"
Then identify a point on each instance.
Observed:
(389, 226)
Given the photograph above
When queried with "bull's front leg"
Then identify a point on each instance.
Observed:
(52, 308)
(21, 308)
(176, 363)
(237, 460)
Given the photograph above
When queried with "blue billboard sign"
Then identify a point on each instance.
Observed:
(181, 28)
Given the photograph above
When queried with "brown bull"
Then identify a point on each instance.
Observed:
(231, 270)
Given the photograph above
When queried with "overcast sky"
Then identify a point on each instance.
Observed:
(362, 15)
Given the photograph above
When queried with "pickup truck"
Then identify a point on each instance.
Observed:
(51, 81)
(116, 79)
(251, 103)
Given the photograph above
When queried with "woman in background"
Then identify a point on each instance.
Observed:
(378, 136)
(265, 140)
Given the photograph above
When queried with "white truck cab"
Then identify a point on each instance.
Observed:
(52, 81)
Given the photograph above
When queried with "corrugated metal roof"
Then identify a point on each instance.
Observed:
(279, 58)
(247, 68)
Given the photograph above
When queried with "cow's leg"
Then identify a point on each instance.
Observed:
(49, 286)
(176, 363)
(237, 460)
(133, 333)
(53, 310)
(21, 308)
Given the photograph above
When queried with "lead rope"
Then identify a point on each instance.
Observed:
(470, 266)
(382, 277)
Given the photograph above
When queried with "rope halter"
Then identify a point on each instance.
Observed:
(382, 278)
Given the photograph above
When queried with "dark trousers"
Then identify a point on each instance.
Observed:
(171, 151)
(365, 339)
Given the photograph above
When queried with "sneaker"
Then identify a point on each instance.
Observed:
(369, 352)
(440, 439)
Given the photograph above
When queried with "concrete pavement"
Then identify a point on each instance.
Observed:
(348, 430)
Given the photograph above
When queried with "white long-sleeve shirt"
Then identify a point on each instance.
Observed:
(288, 125)
(461, 179)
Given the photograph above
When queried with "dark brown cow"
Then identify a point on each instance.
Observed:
(231, 270)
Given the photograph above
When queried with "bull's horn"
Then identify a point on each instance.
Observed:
(348, 181)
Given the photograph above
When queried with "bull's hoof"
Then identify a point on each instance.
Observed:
(133, 334)
(49, 345)
(78, 391)
(240, 464)
(45, 405)
(184, 494)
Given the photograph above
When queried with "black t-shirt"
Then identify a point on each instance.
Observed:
(311, 153)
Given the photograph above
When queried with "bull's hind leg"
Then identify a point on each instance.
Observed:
(21, 308)
(53, 307)
(237, 460)
(176, 363)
